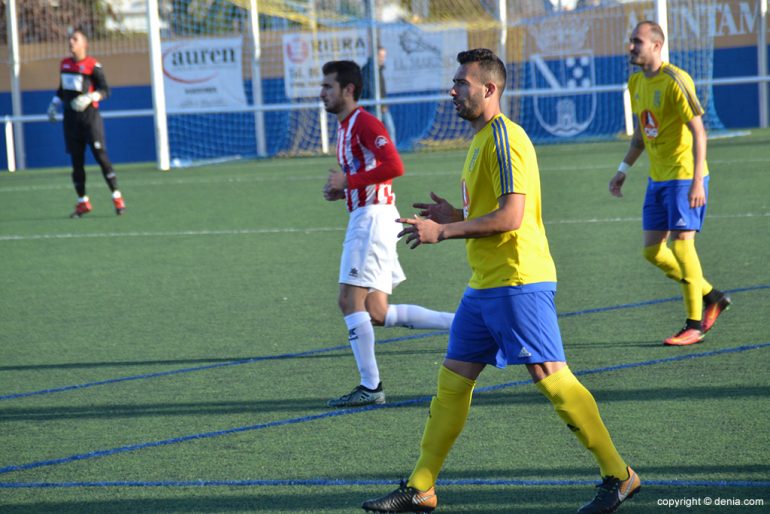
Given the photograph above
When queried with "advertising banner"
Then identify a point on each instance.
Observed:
(203, 74)
(305, 53)
(419, 58)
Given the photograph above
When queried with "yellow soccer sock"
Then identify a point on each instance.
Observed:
(577, 408)
(661, 256)
(446, 419)
(692, 276)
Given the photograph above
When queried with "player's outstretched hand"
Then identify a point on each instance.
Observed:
(52, 112)
(616, 183)
(420, 231)
(439, 211)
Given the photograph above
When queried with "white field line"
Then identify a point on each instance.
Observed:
(307, 230)
(320, 177)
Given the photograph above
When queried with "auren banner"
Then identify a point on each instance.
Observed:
(202, 74)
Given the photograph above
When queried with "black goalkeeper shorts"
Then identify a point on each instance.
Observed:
(83, 128)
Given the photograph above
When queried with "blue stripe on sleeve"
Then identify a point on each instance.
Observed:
(502, 144)
(498, 151)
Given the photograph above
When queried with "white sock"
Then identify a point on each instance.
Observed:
(361, 337)
(414, 316)
(116, 194)
(82, 199)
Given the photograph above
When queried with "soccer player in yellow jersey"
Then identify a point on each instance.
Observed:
(670, 127)
(507, 314)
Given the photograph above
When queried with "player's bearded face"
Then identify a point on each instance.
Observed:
(640, 47)
(331, 94)
(467, 94)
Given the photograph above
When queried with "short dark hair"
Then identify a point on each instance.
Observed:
(655, 28)
(348, 72)
(491, 66)
(77, 28)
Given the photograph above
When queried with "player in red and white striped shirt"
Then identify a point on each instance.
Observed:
(369, 267)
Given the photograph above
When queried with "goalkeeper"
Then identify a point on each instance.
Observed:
(81, 86)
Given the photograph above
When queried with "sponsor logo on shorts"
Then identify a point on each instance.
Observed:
(380, 141)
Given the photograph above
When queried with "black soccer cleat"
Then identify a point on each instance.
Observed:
(611, 493)
(403, 499)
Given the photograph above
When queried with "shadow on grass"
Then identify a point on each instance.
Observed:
(468, 499)
(523, 395)
(681, 472)
(516, 396)
(330, 354)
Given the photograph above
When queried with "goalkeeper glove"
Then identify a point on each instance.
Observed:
(55, 101)
(81, 102)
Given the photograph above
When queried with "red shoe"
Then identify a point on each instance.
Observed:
(120, 205)
(81, 208)
(684, 337)
(712, 311)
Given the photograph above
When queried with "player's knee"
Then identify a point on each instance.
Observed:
(378, 318)
(653, 254)
(342, 303)
(377, 310)
(348, 304)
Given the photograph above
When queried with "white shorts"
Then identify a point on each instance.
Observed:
(369, 256)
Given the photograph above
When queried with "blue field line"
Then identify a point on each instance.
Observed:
(630, 365)
(251, 360)
(343, 412)
(653, 302)
(322, 482)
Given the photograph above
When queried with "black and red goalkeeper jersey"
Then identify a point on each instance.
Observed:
(79, 77)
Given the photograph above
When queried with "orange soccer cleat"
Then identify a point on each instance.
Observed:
(711, 311)
(120, 205)
(684, 337)
(81, 208)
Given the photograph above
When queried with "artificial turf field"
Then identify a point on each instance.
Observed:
(178, 358)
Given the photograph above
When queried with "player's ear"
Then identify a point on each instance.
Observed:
(491, 88)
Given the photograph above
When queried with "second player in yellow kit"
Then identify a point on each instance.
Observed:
(663, 105)
(670, 128)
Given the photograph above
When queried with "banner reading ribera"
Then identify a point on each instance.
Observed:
(201, 74)
(304, 54)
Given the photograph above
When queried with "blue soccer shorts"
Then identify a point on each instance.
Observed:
(507, 325)
(667, 206)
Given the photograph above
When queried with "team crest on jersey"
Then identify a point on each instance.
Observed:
(563, 63)
(649, 124)
(380, 141)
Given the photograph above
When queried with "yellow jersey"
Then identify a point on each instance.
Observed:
(501, 160)
(664, 104)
